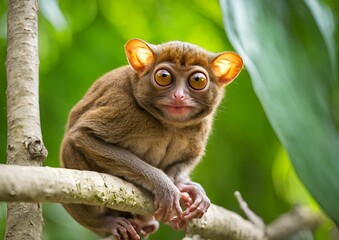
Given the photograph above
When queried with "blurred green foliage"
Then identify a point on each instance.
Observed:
(81, 40)
(295, 77)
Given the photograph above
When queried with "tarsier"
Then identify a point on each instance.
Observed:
(148, 123)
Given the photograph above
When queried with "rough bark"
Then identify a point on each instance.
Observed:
(219, 223)
(46, 184)
(24, 143)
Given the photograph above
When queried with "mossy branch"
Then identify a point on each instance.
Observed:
(46, 184)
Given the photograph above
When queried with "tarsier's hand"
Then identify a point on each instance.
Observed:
(195, 200)
(167, 202)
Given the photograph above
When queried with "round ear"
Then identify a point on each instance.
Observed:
(226, 66)
(139, 55)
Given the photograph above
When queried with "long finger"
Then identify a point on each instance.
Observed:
(123, 233)
(116, 234)
(195, 214)
(187, 200)
(167, 214)
(159, 212)
(178, 209)
(130, 229)
(197, 202)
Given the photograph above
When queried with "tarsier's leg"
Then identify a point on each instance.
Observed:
(145, 225)
(123, 221)
(106, 222)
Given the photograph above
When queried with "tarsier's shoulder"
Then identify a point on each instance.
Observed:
(112, 81)
(111, 91)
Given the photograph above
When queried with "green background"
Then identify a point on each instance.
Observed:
(81, 40)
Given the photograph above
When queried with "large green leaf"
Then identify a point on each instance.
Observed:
(289, 48)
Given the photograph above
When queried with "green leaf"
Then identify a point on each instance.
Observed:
(290, 52)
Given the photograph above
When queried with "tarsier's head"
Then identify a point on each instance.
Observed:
(180, 83)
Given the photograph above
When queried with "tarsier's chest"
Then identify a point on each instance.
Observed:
(166, 149)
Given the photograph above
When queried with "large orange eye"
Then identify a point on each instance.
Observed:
(198, 81)
(163, 77)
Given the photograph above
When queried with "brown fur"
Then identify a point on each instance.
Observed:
(116, 129)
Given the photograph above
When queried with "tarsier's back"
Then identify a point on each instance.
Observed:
(149, 123)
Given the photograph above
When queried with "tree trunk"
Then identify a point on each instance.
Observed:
(24, 143)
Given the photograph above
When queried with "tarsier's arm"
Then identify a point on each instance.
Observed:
(120, 162)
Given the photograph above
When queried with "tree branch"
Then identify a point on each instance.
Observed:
(296, 220)
(45, 184)
(256, 220)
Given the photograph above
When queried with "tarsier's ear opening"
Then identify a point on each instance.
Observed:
(226, 67)
(140, 56)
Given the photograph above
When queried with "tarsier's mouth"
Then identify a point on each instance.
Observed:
(178, 110)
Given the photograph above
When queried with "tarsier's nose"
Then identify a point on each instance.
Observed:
(178, 94)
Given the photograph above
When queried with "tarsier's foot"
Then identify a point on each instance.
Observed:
(145, 225)
(133, 228)
(122, 229)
